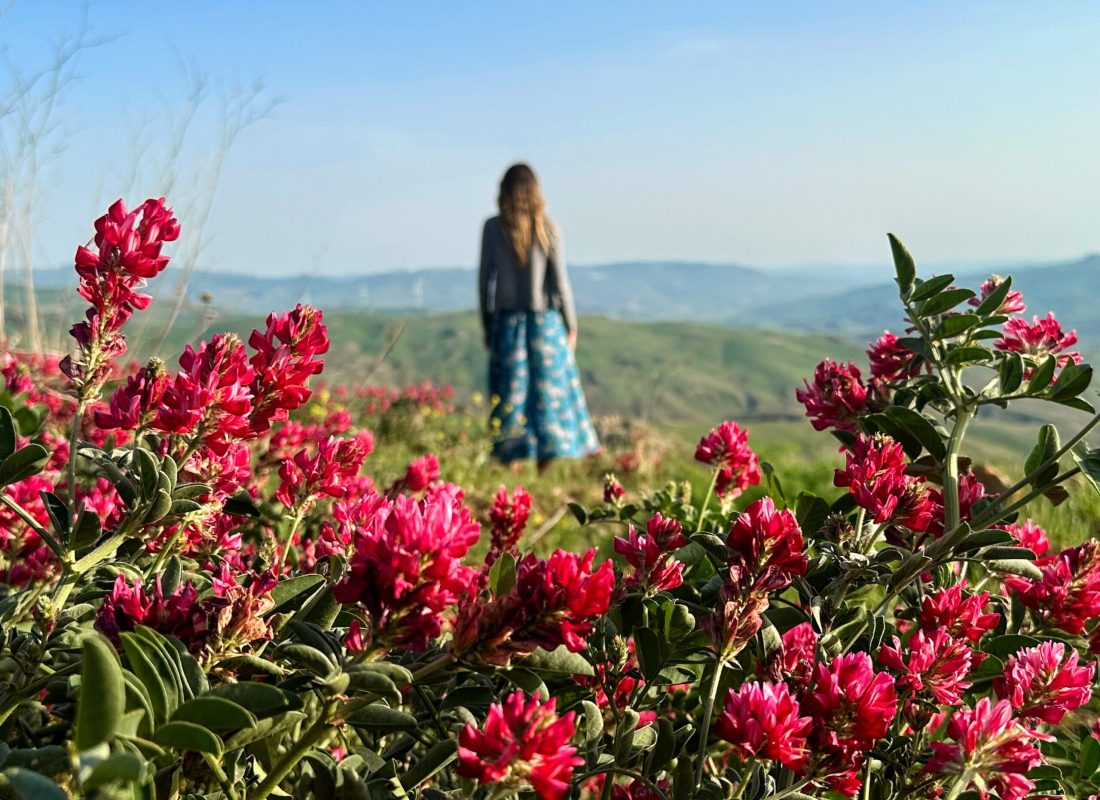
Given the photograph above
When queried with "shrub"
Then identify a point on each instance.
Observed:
(205, 596)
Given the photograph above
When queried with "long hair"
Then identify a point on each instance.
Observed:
(523, 211)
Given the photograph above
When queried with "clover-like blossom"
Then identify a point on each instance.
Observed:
(971, 490)
(650, 554)
(890, 360)
(507, 519)
(310, 476)
(211, 395)
(523, 742)
(794, 661)
(1068, 595)
(726, 448)
(1031, 536)
(178, 613)
(1041, 337)
(962, 615)
(419, 475)
(287, 354)
(990, 748)
(134, 404)
(553, 602)
(1013, 302)
(406, 568)
(612, 490)
(762, 720)
(127, 253)
(766, 547)
(836, 398)
(1045, 682)
(936, 665)
(875, 477)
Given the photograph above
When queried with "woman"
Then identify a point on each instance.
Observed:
(530, 328)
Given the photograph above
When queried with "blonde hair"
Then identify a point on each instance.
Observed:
(523, 212)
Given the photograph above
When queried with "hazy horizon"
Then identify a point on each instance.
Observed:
(775, 138)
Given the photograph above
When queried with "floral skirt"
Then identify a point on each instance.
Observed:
(538, 405)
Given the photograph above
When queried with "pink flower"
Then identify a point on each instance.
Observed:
(876, 480)
(794, 661)
(420, 474)
(960, 615)
(523, 741)
(890, 360)
(1044, 682)
(553, 602)
(508, 519)
(936, 665)
(1012, 304)
(854, 704)
(134, 405)
(353, 639)
(178, 614)
(1068, 596)
(766, 545)
(1031, 536)
(990, 749)
(971, 490)
(406, 569)
(286, 357)
(761, 720)
(612, 490)
(307, 478)
(650, 555)
(836, 398)
(727, 449)
(1043, 336)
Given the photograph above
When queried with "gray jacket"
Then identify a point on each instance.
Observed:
(503, 285)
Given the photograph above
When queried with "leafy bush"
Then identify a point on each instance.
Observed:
(205, 596)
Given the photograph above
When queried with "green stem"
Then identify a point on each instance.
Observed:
(746, 777)
(74, 437)
(706, 501)
(1028, 479)
(219, 773)
(32, 523)
(960, 785)
(789, 791)
(708, 712)
(313, 736)
(963, 415)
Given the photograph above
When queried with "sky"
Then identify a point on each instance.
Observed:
(765, 134)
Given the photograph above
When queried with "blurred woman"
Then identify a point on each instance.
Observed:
(530, 327)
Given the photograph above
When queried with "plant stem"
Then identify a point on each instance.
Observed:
(219, 773)
(706, 500)
(746, 776)
(963, 415)
(74, 437)
(960, 785)
(708, 711)
(316, 732)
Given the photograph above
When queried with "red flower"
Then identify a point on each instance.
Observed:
(552, 603)
(286, 358)
(794, 661)
(419, 475)
(306, 478)
(178, 614)
(1031, 536)
(971, 490)
(935, 665)
(890, 360)
(1043, 336)
(727, 449)
(836, 398)
(612, 490)
(876, 480)
(761, 720)
(766, 545)
(1068, 596)
(1044, 682)
(508, 518)
(1012, 304)
(650, 555)
(135, 404)
(522, 741)
(990, 749)
(961, 616)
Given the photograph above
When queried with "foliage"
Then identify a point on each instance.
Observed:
(206, 596)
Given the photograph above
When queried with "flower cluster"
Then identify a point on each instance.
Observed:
(1043, 336)
(836, 398)
(726, 448)
(508, 520)
(876, 479)
(650, 554)
(761, 720)
(307, 476)
(1068, 594)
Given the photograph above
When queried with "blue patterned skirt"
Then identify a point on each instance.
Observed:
(538, 404)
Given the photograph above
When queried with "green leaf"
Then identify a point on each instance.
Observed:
(593, 722)
(960, 356)
(261, 699)
(992, 303)
(442, 754)
(905, 268)
(1041, 377)
(919, 428)
(32, 786)
(943, 302)
(58, 512)
(103, 694)
(154, 673)
(23, 463)
(373, 682)
(1089, 757)
(811, 512)
(502, 575)
(956, 325)
(651, 652)
(579, 513)
(1008, 553)
(1073, 380)
(930, 288)
(1025, 569)
(382, 719)
(181, 736)
(116, 768)
(664, 749)
(1044, 451)
(148, 471)
(1089, 462)
(1011, 372)
(7, 433)
(1009, 644)
(87, 529)
(216, 713)
(558, 660)
(979, 539)
(294, 592)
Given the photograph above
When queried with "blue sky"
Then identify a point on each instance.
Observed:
(765, 134)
